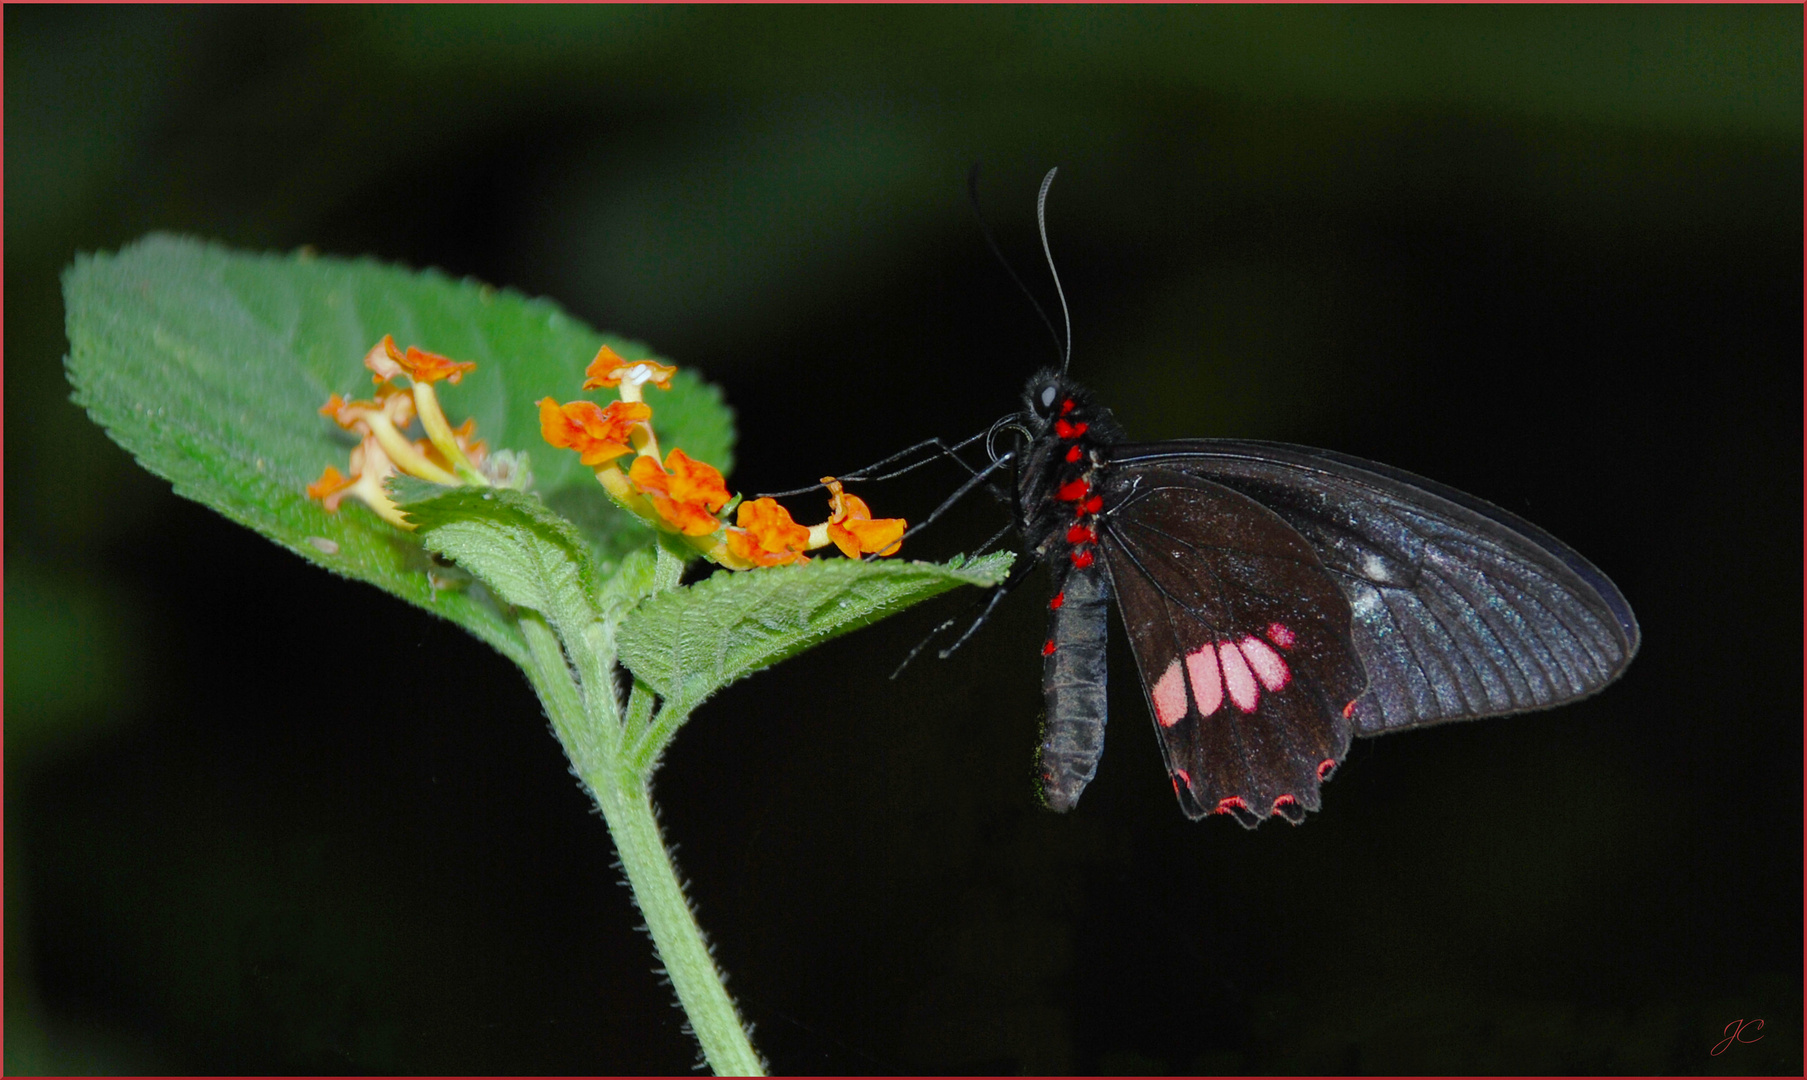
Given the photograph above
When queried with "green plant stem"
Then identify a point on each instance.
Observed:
(625, 799)
(634, 824)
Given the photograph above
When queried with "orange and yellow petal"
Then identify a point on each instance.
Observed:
(648, 477)
(608, 369)
(427, 367)
(771, 527)
(853, 528)
(330, 487)
(596, 433)
(744, 545)
(856, 536)
(386, 362)
(695, 481)
(686, 493)
(397, 405)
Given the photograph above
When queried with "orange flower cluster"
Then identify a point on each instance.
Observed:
(446, 455)
(686, 496)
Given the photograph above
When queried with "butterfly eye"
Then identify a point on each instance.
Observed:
(1047, 397)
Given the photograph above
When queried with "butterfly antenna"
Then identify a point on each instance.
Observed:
(1041, 221)
(991, 241)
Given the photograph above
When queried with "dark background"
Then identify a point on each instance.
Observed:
(1548, 256)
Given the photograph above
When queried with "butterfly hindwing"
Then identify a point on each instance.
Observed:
(1242, 638)
(1459, 609)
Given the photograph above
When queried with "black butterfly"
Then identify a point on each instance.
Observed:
(1280, 601)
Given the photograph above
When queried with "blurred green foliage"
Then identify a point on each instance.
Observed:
(1551, 255)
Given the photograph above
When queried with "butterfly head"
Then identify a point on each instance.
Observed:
(1054, 401)
(1044, 395)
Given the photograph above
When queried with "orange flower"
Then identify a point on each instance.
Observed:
(853, 528)
(767, 536)
(687, 493)
(330, 488)
(356, 416)
(596, 433)
(609, 369)
(370, 466)
(386, 362)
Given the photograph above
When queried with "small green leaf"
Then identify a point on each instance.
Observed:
(688, 643)
(208, 365)
(526, 554)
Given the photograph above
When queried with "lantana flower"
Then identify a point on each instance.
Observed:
(387, 363)
(597, 434)
(767, 536)
(687, 493)
(854, 530)
(610, 370)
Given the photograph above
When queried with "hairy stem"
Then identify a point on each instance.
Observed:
(628, 809)
(625, 799)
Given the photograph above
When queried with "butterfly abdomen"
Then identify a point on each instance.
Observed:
(1073, 686)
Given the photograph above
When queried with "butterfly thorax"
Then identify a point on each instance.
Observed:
(1064, 467)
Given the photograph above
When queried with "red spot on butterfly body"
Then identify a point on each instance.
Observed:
(1059, 599)
(1072, 453)
(1080, 534)
(1325, 768)
(1067, 406)
(1065, 430)
(1082, 558)
(1048, 647)
(1073, 491)
(1091, 505)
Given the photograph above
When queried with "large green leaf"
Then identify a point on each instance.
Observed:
(688, 643)
(208, 365)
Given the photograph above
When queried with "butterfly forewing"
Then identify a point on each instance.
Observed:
(1458, 608)
(1242, 638)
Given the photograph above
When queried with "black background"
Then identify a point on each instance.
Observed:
(1551, 257)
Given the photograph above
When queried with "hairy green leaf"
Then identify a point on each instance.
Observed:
(524, 553)
(688, 643)
(208, 365)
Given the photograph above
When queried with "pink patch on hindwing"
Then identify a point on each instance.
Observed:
(1269, 668)
(1237, 677)
(1279, 634)
(1169, 696)
(1207, 686)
